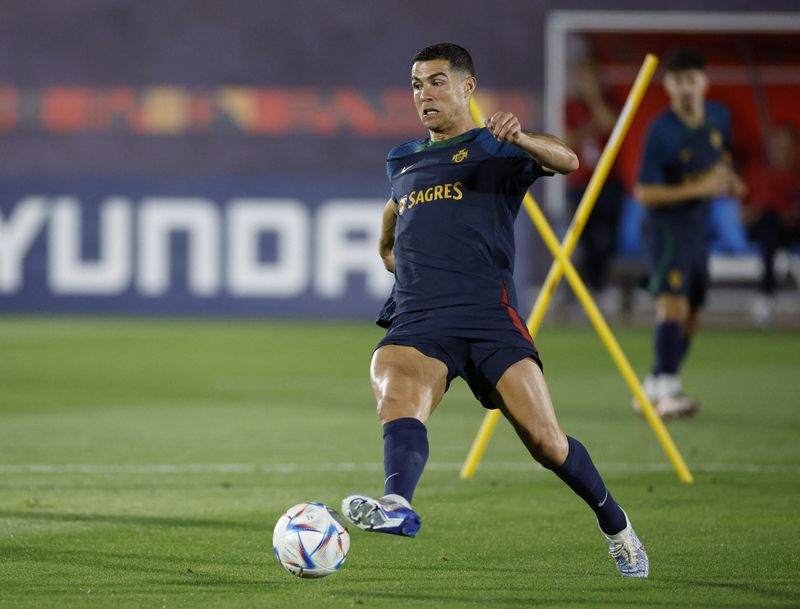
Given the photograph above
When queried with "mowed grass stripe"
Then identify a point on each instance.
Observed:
(194, 436)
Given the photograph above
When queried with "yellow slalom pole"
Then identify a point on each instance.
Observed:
(479, 444)
(573, 233)
(562, 256)
(609, 341)
(593, 189)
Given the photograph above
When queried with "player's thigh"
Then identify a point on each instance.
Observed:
(669, 258)
(672, 307)
(406, 382)
(524, 399)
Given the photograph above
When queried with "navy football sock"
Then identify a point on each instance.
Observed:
(581, 476)
(405, 452)
(668, 341)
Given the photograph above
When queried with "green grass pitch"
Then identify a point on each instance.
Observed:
(144, 464)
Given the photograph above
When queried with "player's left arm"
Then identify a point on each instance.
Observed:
(386, 240)
(547, 150)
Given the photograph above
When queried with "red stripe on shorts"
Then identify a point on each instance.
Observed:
(515, 318)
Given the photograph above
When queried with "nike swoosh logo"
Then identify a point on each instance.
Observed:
(407, 167)
(603, 502)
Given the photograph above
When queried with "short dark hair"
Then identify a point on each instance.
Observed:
(458, 56)
(684, 59)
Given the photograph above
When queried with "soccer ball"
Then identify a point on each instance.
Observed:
(310, 540)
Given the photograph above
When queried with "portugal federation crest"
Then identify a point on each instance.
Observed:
(460, 155)
(716, 139)
(675, 280)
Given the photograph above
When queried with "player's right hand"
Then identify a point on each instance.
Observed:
(717, 182)
(504, 126)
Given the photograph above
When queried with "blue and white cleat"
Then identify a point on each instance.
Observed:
(389, 514)
(628, 552)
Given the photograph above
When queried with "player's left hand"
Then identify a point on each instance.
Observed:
(504, 126)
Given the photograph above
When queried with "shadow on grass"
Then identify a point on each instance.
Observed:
(537, 599)
(762, 589)
(487, 586)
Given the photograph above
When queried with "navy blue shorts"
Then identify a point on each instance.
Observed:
(476, 343)
(678, 259)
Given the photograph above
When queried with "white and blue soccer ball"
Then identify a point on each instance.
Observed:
(310, 540)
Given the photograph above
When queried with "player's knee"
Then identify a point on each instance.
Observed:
(548, 446)
(391, 406)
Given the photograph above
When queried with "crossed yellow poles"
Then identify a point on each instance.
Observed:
(563, 266)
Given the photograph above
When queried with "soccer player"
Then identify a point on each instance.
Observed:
(590, 118)
(772, 212)
(447, 236)
(685, 164)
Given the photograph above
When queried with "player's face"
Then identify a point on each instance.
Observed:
(686, 89)
(441, 94)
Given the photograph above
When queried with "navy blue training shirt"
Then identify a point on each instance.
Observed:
(675, 153)
(456, 204)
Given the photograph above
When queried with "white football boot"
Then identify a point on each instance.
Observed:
(762, 311)
(628, 552)
(389, 514)
(665, 392)
(676, 406)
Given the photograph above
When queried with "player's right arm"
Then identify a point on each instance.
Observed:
(717, 182)
(547, 150)
(653, 190)
(386, 241)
